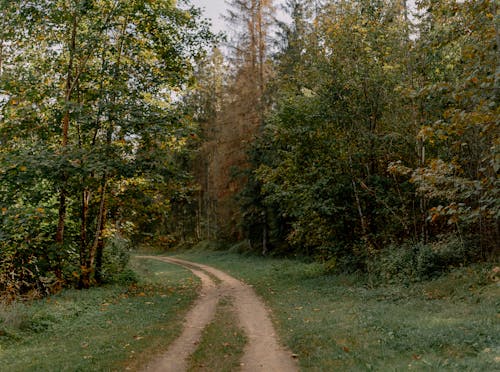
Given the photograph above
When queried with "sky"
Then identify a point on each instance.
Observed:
(213, 10)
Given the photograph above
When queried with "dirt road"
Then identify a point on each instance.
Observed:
(262, 352)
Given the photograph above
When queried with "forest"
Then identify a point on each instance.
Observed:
(361, 134)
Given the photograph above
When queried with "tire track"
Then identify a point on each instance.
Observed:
(202, 313)
(263, 351)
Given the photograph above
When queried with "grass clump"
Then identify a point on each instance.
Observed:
(343, 322)
(222, 343)
(101, 329)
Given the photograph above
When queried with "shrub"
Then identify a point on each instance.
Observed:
(115, 259)
(412, 262)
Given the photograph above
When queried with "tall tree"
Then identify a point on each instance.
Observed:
(240, 115)
(458, 55)
(251, 20)
(90, 107)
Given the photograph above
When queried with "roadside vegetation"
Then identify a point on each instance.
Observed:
(352, 322)
(358, 141)
(101, 329)
(328, 319)
(362, 134)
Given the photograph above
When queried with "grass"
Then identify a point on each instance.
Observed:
(102, 329)
(340, 322)
(222, 343)
(333, 322)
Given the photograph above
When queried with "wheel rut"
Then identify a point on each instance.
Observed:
(262, 352)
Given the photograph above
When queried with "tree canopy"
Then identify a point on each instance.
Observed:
(362, 133)
(88, 117)
(379, 130)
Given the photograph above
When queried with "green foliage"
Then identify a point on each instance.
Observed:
(380, 131)
(28, 257)
(320, 167)
(412, 262)
(115, 262)
(209, 245)
(88, 131)
(458, 58)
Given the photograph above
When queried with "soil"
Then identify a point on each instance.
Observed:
(262, 352)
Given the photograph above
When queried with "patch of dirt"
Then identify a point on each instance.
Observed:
(263, 351)
(203, 311)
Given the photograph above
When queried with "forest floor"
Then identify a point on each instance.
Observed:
(329, 321)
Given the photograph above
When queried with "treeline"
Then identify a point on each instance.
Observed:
(366, 133)
(91, 135)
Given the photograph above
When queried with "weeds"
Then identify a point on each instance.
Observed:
(222, 343)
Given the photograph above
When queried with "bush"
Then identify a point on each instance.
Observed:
(412, 262)
(31, 264)
(210, 245)
(115, 259)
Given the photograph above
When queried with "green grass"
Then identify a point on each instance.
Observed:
(340, 322)
(222, 343)
(333, 322)
(101, 329)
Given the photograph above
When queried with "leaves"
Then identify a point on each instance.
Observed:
(89, 107)
(379, 130)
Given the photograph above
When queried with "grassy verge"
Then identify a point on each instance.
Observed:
(222, 343)
(339, 322)
(101, 329)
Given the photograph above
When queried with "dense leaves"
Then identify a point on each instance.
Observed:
(392, 136)
(87, 116)
(368, 136)
(380, 129)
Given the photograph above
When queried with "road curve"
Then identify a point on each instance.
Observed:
(262, 352)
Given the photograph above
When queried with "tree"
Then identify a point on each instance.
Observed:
(335, 129)
(118, 63)
(252, 20)
(238, 119)
(459, 54)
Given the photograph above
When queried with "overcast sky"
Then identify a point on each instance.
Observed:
(213, 10)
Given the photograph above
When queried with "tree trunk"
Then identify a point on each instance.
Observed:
(1, 56)
(83, 226)
(262, 51)
(253, 37)
(497, 38)
(88, 266)
(100, 248)
(362, 217)
(264, 236)
(65, 129)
